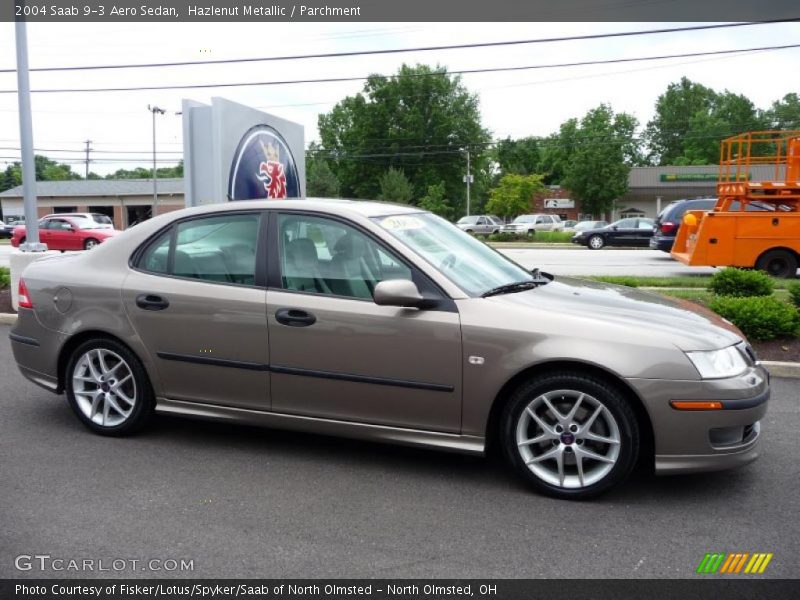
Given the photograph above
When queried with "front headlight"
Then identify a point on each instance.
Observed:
(716, 364)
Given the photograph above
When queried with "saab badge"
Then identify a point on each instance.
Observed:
(263, 167)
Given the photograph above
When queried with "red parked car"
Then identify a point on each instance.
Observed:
(66, 233)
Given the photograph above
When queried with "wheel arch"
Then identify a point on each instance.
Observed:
(647, 449)
(774, 248)
(79, 338)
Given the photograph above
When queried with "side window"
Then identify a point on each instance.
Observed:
(539, 220)
(627, 224)
(645, 225)
(325, 256)
(218, 249)
(156, 257)
(482, 221)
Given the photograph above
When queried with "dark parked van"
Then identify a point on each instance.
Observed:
(669, 220)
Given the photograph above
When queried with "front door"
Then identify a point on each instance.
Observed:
(196, 303)
(335, 353)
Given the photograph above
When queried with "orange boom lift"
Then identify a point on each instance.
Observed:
(753, 224)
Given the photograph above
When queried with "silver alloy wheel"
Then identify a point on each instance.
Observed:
(596, 242)
(104, 387)
(90, 244)
(568, 438)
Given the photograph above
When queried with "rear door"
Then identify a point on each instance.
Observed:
(335, 353)
(197, 299)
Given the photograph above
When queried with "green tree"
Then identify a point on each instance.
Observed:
(320, 180)
(436, 202)
(513, 194)
(147, 173)
(605, 148)
(668, 131)
(46, 170)
(420, 121)
(784, 113)
(557, 152)
(395, 187)
(522, 156)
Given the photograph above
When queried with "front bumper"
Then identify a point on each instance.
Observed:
(707, 440)
(579, 240)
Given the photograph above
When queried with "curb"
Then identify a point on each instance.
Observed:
(782, 369)
(775, 368)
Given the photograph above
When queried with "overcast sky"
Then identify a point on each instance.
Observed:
(512, 104)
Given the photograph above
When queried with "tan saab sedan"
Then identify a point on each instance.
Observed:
(387, 323)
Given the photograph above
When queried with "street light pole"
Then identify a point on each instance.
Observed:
(155, 109)
(468, 179)
(26, 143)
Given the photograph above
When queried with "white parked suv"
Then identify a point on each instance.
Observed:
(103, 221)
(530, 224)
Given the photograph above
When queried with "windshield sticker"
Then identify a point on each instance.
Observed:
(401, 223)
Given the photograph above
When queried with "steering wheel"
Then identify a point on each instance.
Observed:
(449, 262)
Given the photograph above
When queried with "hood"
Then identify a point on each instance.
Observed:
(667, 321)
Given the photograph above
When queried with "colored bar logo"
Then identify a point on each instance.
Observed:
(734, 563)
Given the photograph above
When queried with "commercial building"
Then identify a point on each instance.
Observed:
(126, 201)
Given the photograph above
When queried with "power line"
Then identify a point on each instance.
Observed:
(400, 75)
(570, 38)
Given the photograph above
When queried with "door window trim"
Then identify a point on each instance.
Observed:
(274, 280)
(260, 275)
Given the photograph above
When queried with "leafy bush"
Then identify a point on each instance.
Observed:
(554, 236)
(740, 283)
(507, 236)
(548, 237)
(794, 292)
(5, 277)
(759, 317)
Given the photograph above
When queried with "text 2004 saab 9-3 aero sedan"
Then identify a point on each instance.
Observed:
(384, 322)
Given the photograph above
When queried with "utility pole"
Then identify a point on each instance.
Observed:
(155, 109)
(87, 142)
(468, 180)
(26, 142)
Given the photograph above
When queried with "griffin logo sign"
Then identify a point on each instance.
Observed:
(263, 167)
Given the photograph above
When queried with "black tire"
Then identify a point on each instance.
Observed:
(90, 243)
(598, 241)
(22, 241)
(531, 233)
(598, 391)
(144, 399)
(778, 263)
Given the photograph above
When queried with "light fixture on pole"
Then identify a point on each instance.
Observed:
(155, 109)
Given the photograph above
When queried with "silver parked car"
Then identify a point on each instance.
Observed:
(387, 323)
(530, 224)
(480, 224)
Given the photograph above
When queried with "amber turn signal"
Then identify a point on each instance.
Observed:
(695, 405)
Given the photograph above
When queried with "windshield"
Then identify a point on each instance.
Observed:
(102, 219)
(470, 264)
(525, 219)
(467, 220)
(84, 223)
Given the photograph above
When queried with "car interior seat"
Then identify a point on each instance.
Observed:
(301, 269)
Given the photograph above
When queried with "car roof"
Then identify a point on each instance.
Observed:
(364, 208)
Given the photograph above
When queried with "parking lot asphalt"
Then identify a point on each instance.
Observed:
(248, 502)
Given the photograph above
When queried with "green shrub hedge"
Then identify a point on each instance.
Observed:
(731, 281)
(540, 236)
(760, 318)
(5, 277)
(794, 292)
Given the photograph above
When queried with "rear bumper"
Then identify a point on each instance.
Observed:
(36, 350)
(706, 440)
(661, 243)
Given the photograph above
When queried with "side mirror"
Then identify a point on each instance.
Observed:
(398, 292)
(615, 227)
